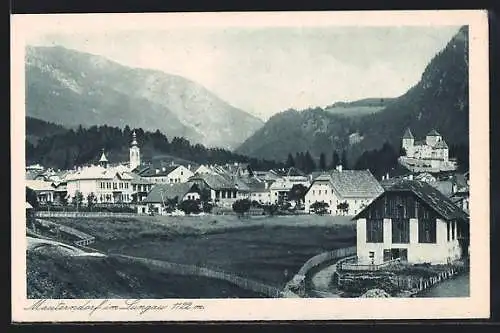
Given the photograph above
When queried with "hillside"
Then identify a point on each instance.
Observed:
(37, 129)
(61, 148)
(439, 100)
(359, 108)
(298, 131)
(50, 274)
(73, 88)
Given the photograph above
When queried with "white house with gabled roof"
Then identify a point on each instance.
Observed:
(108, 184)
(414, 222)
(357, 188)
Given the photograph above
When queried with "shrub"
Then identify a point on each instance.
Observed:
(320, 207)
(241, 206)
(190, 206)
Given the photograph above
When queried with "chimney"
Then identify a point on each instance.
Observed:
(410, 176)
(339, 167)
(163, 169)
(189, 167)
(157, 171)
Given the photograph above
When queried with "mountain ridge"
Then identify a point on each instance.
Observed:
(70, 88)
(438, 101)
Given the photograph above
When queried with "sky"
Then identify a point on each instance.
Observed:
(267, 70)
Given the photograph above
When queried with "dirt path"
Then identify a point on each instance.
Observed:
(321, 280)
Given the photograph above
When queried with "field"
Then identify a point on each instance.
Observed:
(52, 275)
(267, 249)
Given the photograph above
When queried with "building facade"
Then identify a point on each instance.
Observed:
(345, 192)
(414, 222)
(171, 174)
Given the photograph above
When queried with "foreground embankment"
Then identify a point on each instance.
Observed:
(52, 274)
(266, 249)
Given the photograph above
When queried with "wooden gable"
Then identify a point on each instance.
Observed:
(394, 205)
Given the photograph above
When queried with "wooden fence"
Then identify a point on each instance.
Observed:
(82, 214)
(183, 269)
(83, 239)
(326, 257)
(348, 265)
(298, 283)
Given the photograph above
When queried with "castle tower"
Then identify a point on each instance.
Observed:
(432, 138)
(103, 161)
(408, 141)
(135, 153)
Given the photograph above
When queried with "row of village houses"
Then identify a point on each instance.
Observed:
(227, 183)
(135, 182)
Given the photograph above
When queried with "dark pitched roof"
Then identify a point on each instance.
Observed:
(441, 144)
(352, 183)
(433, 133)
(355, 183)
(136, 179)
(215, 181)
(437, 201)
(256, 185)
(169, 191)
(407, 134)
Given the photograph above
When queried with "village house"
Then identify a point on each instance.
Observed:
(161, 194)
(170, 174)
(140, 187)
(203, 169)
(45, 191)
(259, 190)
(107, 184)
(431, 154)
(355, 189)
(224, 190)
(414, 222)
(285, 181)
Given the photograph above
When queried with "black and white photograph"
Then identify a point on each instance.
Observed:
(172, 165)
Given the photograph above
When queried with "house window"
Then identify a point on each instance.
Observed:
(401, 231)
(374, 230)
(234, 194)
(427, 230)
(114, 186)
(448, 231)
(313, 192)
(126, 185)
(452, 230)
(223, 194)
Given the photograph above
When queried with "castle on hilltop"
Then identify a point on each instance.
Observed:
(429, 155)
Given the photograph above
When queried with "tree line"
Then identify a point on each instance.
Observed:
(306, 163)
(73, 147)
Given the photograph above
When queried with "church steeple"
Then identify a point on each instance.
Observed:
(135, 153)
(103, 161)
(134, 139)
